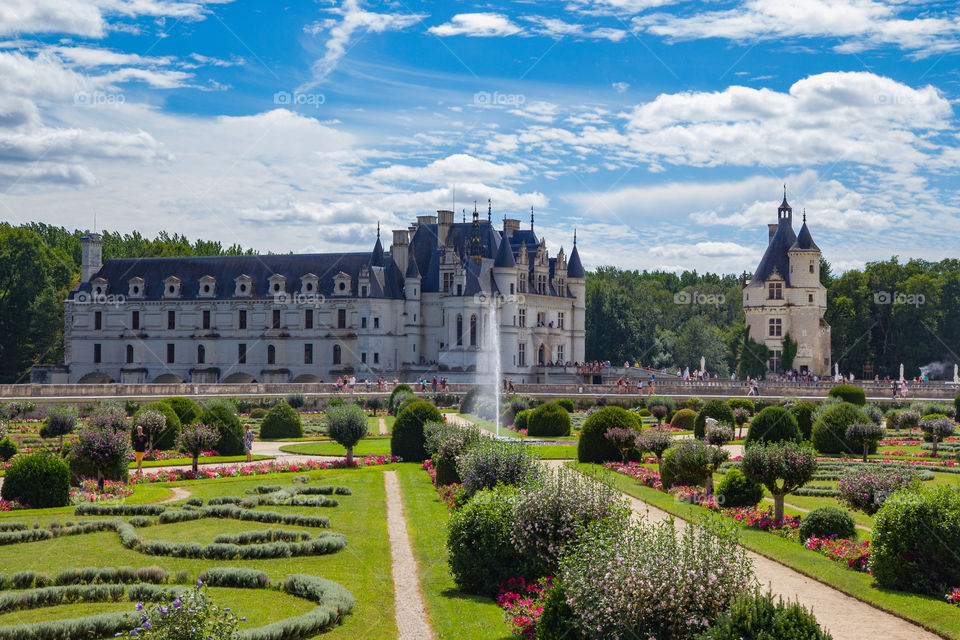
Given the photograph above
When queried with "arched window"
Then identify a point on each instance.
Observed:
(337, 354)
(459, 330)
(473, 330)
(201, 354)
(129, 354)
(271, 354)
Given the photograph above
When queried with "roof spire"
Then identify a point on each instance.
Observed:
(804, 215)
(378, 229)
(574, 237)
(531, 217)
(784, 190)
(489, 211)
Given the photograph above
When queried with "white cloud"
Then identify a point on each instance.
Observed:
(558, 28)
(860, 24)
(477, 25)
(454, 168)
(620, 87)
(97, 57)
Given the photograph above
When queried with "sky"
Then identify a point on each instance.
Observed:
(663, 132)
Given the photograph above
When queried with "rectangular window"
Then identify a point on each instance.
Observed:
(308, 319)
(97, 352)
(511, 288)
(811, 267)
(559, 353)
(98, 320)
(523, 317)
(363, 291)
(376, 358)
(171, 319)
(171, 352)
(341, 318)
(308, 354)
(134, 319)
(363, 323)
(775, 291)
(376, 323)
(206, 319)
(363, 357)
(459, 289)
(447, 282)
(242, 353)
(776, 327)
(775, 360)
(810, 298)
(522, 354)
(276, 318)
(242, 319)
(560, 317)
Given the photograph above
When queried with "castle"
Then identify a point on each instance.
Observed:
(785, 296)
(428, 306)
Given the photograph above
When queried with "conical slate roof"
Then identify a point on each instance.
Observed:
(376, 258)
(804, 240)
(574, 266)
(412, 270)
(775, 258)
(505, 256)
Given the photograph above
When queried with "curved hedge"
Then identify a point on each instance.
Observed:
(829, 432)
(803, 412)
(281, 422)
(168, 438)
(716, 409)
(186, 409)
(684, 419)
(593, 446)
(222, 416)
(773, 424)
(849, 393)
(407, 440)
(567, 404)
(826, 522)
(742, 403)
(39, 480)
(548, 420)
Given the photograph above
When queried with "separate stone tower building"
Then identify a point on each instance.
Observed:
(785, 296)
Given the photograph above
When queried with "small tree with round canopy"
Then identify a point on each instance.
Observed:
(195, 438)
(866, 435)
(782, 467)
(347, 425)
(656, 441)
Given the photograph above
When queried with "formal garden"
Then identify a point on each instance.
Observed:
(507, 534)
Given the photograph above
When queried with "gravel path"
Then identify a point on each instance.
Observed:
(179, 493)
(410, 612)
(383, 427)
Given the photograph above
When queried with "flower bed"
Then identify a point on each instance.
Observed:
(273, 466)
(523, 603)
(11, 505)
(849, 551)
(644, 475)
(87, 491)
(448, 493)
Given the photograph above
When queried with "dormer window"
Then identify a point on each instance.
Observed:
(171, 287)
(243, 286)
(208, 287)
(341, 284)
(775, 291)
(136, 287)
(98, 286)
(277, 284)
(309, 284)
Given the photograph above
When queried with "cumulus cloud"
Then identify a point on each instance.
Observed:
(454, 168)
(476, 25)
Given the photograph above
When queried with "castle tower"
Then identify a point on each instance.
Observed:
(577, 284)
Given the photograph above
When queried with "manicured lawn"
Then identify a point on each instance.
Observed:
(369, 446)
(556, 451)
(363, 567)
(929, 612)
(179, 462)
(453, 615)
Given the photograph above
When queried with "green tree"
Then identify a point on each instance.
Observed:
(788, 352)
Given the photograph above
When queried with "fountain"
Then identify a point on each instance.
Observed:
(492, 366)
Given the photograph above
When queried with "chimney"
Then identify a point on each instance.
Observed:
(399, 250)
(772, 228)
(445, 218)
(426, 220)
(91, 255)
(509, 226)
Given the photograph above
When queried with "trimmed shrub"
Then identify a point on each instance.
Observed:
(684, 419)
(736, 490)
(222, 416)
(716, 409)
(296, 400)
(186, 409)
(755, 616)
(567, 404)
(937, 428)
(491, 462)
(481, 552)
(445, 443)
(826, 522)
(237, 577)
(556, 619)
(829, 433)
(471, 400)
(687, 463)
(694, 404)
(7, 449)
(520, 420)
(548, 420)
(399, 390)
(803, 412)
(166, 437)
(405, 401)
(915, 536)
(956, 406)
(39, 480)
(593, 445)
(347, 426)
(258, 413)
(849, 393)
(874, 412)
(865, 435)
(781, 467)
(282, 422)
(742, 403)
(407, 440)
(773, 424)
(59, 422)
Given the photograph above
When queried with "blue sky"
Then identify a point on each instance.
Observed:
(663, 131)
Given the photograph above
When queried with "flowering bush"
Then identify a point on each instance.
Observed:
(87, 491)
(765, 520)
(782, 467)
(11, 505)
(644, 475)
(624, 439)
(191, 616)
(718, 434)
(194, 438)
(741, 416)
(848, 551)
(491, 462)
(865, 435)
(523, 603)
(954, 597)
(657, 442)
(867, 488)
(262, 468)
(444, 443)
(648, 580)
(103, 446)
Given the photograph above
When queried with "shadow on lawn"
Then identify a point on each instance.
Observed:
(453, 594)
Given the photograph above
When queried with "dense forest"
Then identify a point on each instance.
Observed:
(882, 315)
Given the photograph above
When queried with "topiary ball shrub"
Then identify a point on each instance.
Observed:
(757, 617)
(347, 426)
(742, 403)
(520, 420)
(803, 412)
(915, 537)
(684, 419)
(186, 409)
(687, 463)
(399, 390)
(259, 413)
(39, 480)
(829, 432)
(593, 446)
(827, 521)
(481, 554)
(567, 404)
(849, 393)
(7, 449)
(737, 490)
(716, 409)
(296, 399)
(221, 416)
(281, 423)
(773, 424)
(166, 439)
(548, 420)
(407, 439)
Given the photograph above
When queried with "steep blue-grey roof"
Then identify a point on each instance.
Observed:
(775, 257)
(804, 240)
(376, 258)
(505, 256)
(412, 270)
(574, 266)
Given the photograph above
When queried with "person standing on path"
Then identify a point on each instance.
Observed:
(140, 442)
(248, 443)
